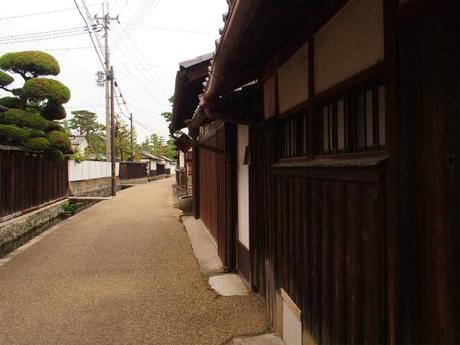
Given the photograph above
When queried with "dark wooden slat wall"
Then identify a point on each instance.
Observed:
(135, 170)
(428, 47)
(322, 241)
(264, 213)
(217, 210)
(28, 181)
(344, 287)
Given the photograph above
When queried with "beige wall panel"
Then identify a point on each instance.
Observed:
(270, 97)
(293, 80)
(349, 43)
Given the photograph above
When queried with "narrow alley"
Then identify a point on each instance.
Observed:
(120, 272)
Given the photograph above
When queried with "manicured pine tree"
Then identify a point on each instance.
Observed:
(34, 108)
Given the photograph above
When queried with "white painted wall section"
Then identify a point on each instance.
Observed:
(349, 43)
(292, 326)
(89, 170)
(181, 159)
(243, 186)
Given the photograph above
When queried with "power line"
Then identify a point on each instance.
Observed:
(89, 32)
(139, 58)
(42, 35)
(41, 38)
(174, 30)
(141, 14)
(41, 13)
(128, 110)
(123, 7)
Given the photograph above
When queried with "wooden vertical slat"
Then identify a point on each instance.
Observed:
(353, 265)
(338, 333)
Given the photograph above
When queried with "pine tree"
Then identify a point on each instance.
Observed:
(33, 109)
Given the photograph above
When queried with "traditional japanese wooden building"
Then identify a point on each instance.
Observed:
(151, 161)
(331, 131)
(184, 164)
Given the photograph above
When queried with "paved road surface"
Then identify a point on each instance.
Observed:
(120, 272)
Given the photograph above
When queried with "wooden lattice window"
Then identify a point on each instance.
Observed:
(294, 135)
(352, 122)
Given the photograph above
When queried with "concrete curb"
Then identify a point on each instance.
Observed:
(20, 226)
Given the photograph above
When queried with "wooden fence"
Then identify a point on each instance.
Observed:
(133, 170)
(29, 181)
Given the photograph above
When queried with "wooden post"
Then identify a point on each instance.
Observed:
(112, 134)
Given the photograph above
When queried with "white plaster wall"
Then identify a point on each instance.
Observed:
(349, 43)
(181, 159)
(88, 170)
(293, 80)
(243, 186)
(292, 326)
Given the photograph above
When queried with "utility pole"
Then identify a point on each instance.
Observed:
(112, 133)
(106, 19)
(131, 125)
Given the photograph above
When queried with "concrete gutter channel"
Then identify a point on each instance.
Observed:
(16, 232)
(225, 284)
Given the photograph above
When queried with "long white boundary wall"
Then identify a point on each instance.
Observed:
(88, 170)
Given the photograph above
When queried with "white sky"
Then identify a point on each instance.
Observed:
(145, 63)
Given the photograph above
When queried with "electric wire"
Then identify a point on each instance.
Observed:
(89, 32)
(41, 13)
(126, 105)
(33, 39)
(163, 28)
(123, 8)
(139, 58)
(142, 13)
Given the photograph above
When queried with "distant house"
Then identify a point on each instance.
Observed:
(79, 143)
(184, 164)
(152, 161)
(167, 164)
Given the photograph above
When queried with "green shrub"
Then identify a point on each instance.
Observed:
(54, 155)
(13, 134)
(10, 102)
(37, 144)
(34, 62)
(59, 141)
(5, 79)
(41, 89)
(54, 112)
(78, 157)
(69, 208)
(54, 126)
(23, 118)
(36, 133)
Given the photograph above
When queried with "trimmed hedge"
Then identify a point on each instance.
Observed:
(5, 79)
(41, 89)
(54, 112)
(10, 102)
(54, 126)
(35, 62)
(59, 140)
(13, 134)
(24, 118)
(54, 155)
(36, 133)
(37, 144)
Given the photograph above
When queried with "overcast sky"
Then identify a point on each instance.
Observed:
(161, 33)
